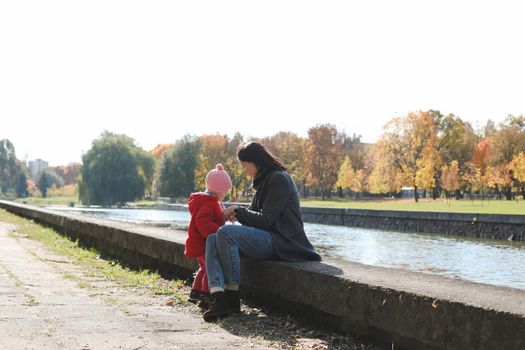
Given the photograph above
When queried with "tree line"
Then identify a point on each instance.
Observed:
(435, 154)
(432, 153)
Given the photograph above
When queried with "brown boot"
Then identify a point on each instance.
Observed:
(218, 307)
(233, 300)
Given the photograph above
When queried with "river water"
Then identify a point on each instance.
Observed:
(479, 260)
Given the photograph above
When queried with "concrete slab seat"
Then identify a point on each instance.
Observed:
(411, 310)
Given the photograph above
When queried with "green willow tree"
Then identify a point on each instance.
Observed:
(114, 170)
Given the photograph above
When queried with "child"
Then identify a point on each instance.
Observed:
(206, 218)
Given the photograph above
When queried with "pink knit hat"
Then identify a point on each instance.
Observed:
(218, 180)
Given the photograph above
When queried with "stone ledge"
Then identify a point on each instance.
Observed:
(412, 310)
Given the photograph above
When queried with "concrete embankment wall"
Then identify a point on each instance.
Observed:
(412, 310)
(506, 227)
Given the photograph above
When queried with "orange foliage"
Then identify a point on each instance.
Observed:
(31, 186)
(68, 172)
(450, 179)
(160, 150)
(480, 156)
(324, 156)
(498, 177)
(64, 191)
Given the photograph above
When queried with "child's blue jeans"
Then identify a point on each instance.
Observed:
(223, 249)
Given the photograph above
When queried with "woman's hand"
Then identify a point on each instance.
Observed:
(229, 214)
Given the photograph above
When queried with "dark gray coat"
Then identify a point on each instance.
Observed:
(275, 208)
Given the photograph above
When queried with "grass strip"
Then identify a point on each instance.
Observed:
(96, 262)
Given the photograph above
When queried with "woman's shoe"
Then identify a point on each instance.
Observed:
(233, 300)
(218, 307)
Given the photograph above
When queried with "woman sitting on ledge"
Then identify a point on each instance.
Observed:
(272, 229)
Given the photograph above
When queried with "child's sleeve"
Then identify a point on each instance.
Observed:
(205, 223)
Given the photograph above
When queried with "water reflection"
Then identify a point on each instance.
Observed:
(486, 261)
(172, 218)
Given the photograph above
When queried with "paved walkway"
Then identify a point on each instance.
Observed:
(43, 306)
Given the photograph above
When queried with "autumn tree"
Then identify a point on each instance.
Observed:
(410, 143)
(350, 179)
(289, 147)
(346, 177)
(355, 150)
(508, 141)
(385, 177)
(475, 172)
(239, 179)
(456, 141)
(517, 169)
(361, 181)
(160, 150)
(323, 156)
(213, 149)
(69, 173)
(427, 167)
(481, 154)
(474, 179)
(450, 178)
(498, 177)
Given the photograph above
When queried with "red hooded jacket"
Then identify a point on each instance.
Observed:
(206, 218)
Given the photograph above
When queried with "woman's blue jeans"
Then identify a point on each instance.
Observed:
(223, 251)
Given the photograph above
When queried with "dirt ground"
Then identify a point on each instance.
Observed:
(49, 302)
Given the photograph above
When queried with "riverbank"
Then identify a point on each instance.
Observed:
(411, 310)
(59, 294)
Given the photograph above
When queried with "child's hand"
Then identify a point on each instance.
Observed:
(228, 213)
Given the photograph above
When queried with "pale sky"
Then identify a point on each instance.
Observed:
(156, 70)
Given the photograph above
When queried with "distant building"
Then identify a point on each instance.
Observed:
(36, 167)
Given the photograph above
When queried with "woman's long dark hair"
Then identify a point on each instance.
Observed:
(255, 152)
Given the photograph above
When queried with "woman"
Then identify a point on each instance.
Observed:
(272, 229)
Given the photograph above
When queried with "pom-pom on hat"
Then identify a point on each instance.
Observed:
(218, 180)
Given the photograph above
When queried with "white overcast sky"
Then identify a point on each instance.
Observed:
(156, 70)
